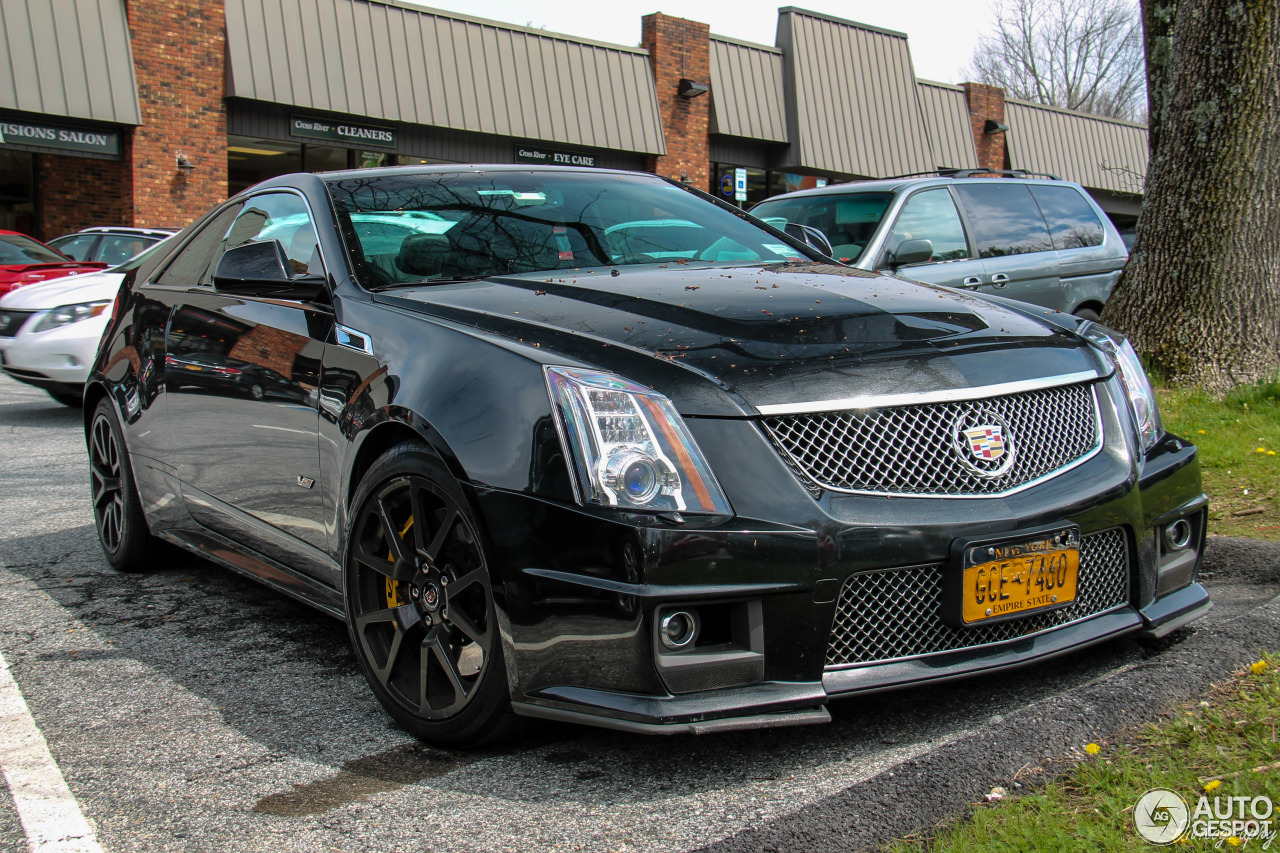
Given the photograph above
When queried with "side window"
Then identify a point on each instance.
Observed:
(189, 267)
(931, 215)
(117, 249)
(283, 217)
(1071, 219)
(77, 248)
(1004, 218)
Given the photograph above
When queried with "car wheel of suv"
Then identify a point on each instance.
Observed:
(117, 512)
(419, 603)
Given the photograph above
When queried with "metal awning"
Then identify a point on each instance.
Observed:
(855, 109)
(746, 90)
(1099, 153)
(403, 63)
(946, 115)
(68, 59)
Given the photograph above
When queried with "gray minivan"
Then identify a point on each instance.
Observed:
(1038, 240)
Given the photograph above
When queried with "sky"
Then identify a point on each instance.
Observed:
(942, 33)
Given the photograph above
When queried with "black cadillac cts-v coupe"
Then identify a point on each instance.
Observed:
(591, 446)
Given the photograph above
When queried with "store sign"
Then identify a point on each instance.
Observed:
(62, 138)
(341, 131)
(545, 157)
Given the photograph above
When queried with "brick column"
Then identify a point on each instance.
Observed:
(680, 49)
(179, 57)
(79, 192)
(987, 102)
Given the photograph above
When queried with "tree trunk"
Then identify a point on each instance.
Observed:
(1200, 299)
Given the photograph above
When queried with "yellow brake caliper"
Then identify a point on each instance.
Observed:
(395, 595)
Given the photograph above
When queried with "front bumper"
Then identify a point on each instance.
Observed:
(58, 359)
(581, 592)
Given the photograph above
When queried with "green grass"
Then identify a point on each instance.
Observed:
(1243, 484)
(1231, 737)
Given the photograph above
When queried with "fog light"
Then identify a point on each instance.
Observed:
(1177, 536)
(678, 629)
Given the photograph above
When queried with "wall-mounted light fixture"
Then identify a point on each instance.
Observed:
(691, 89)
(992, 126)
(184, 162)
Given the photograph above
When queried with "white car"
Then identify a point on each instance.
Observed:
(49, 332)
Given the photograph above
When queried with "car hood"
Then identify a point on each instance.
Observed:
(728, 341)
(90, 287)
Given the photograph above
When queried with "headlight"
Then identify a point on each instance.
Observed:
(67, 314)
(1142, 400)
(629, 446)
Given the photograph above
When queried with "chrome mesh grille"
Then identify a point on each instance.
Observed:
(912, 450)
(894, 613)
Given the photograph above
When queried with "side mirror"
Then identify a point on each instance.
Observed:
(261, 269)
(810, 236)
(911, 252)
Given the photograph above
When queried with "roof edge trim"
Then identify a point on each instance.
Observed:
(822, 16)
(1078, 113)
(502, 25)
(750, 44)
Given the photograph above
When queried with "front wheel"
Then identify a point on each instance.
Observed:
(419, 603)
(117, 511)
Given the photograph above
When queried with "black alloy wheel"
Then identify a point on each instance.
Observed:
(117, 512)
(419, 603)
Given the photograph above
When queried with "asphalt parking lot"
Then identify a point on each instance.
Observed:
(191, 709)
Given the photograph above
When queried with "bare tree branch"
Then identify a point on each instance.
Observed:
(1079, 54)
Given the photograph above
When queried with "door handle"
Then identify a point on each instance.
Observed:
(972, 281)
(999, 279)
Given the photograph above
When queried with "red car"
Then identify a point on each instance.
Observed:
(24, 260)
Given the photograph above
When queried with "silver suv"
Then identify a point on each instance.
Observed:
(1038, 240)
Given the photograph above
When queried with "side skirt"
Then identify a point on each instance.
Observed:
(218, 549)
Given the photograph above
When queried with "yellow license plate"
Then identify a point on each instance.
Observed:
(1009, 579)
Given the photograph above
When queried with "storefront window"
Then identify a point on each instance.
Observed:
(321, 158)
(17, 191)
(761, 183)
(252, 160)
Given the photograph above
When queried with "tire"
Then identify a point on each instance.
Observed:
(122, 529)
(67, 398)
(1087, 314)
(419, 603)
(255, 391)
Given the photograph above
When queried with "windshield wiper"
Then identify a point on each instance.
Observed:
(428, 282)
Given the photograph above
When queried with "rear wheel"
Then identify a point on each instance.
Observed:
(117, 512)
(419, 603)
(1087, 314)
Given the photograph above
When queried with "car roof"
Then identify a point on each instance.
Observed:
(126, 229)
(893, 185)
(446, 168)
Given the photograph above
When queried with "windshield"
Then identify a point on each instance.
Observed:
(408, 228)
(17, 249)
(849, 220)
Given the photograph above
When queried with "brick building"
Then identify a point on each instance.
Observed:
(147, 112)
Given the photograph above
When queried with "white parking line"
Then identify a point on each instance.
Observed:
(48, 810)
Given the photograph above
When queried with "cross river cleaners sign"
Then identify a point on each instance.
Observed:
(341, 131)
(62, 138)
